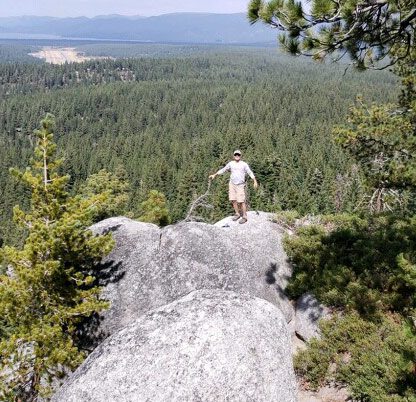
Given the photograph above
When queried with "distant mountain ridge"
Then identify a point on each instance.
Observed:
(177, 27)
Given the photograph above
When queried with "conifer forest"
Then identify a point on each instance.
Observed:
(167, 123)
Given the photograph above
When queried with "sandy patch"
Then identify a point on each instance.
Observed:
(60, 55)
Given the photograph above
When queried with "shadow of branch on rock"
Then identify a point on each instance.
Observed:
(111, 229)
(312, 306)
(271, 274)
(89, 332)
(109, 272)
(272, 277)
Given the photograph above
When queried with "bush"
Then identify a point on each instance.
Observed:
(154, 209)
(364, 268)
(377, 361)
(363, 264)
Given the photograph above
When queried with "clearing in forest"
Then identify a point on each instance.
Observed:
(60, 55)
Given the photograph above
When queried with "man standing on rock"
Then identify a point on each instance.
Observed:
(237, 194)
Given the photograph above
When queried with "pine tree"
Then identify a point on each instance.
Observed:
(367, 30)
(381, 138)
(267, 170)
(115, 185)
(154, 209)
(47, 287)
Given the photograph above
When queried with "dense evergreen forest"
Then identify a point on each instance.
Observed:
(13, 51)
(163, 50)
(169, 122)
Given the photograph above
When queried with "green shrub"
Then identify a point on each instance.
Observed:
(286, 218)
(154, 209)
(363, 264)
(375, 360)
(364, 267)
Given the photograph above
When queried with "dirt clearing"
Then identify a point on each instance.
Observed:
(60, 55)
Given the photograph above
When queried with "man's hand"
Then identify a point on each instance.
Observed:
(212, 176)
(255, 184)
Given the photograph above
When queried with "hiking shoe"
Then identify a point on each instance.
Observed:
(235, 217)
(242, 220)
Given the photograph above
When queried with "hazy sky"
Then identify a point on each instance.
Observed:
(90, 8)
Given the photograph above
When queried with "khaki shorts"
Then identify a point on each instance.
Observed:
(237, 192)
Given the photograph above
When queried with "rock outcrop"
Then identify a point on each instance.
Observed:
(151, 267)
(211, 345)
(198, 313)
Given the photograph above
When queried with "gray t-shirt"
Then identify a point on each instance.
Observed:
(238, 171)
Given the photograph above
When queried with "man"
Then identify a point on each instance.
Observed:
(237, 185)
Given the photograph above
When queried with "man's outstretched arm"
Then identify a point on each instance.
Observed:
(221, 171)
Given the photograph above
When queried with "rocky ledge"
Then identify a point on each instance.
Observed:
(198, 313)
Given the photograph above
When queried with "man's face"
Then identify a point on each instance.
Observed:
(237, 157)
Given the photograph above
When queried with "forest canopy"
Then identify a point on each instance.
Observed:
(170, 122)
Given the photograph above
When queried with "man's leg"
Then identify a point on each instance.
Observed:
(233, 198)
(235, 206)
(244, 209)
(241, 199)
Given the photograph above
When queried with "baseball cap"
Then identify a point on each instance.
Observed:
(237, 152)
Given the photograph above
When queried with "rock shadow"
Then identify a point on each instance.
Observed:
(270, 277)
(89, 332)
(108, 272)
(309, 304)
(271, 273)
(112, 229)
